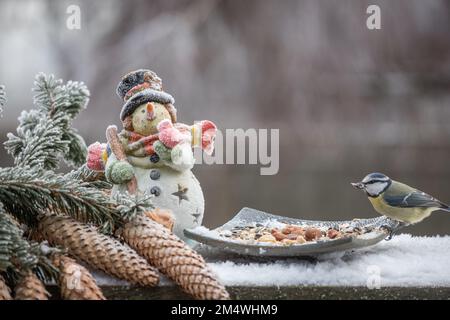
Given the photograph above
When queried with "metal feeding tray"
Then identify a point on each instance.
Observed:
(248, 216)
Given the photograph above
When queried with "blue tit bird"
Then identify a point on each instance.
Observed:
(397, 200)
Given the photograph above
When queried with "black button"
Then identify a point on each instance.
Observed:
(155, 191)
(154, 158)
(154, 174)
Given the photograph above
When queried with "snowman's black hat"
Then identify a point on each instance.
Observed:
(139, 87)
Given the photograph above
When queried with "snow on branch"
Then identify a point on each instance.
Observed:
(27, 194)
(16, 253)
(44, 134)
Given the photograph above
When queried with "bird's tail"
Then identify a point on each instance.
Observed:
(445, 207)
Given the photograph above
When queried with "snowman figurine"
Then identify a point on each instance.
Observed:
(157, 151)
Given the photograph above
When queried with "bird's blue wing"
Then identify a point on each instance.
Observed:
(413, 199)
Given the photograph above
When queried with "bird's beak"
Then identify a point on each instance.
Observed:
(150, 112)
(357, 185)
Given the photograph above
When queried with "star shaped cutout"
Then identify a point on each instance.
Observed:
(181, 193)
(196, 216)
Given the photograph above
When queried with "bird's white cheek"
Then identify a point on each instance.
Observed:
(375, 188)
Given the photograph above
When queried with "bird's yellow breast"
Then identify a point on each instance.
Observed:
(408, 215)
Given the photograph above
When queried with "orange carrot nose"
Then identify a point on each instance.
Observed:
(150, 112)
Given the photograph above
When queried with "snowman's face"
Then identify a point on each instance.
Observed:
(147, 116)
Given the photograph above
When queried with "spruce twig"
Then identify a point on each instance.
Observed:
(27, 194)
(44, 134)
(96, 178)
(18, 255)
(128, 206)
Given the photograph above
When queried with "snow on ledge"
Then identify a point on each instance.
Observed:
(404, 261)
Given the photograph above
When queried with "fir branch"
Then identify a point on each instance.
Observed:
(44, 134)
(39, 146)
(129, 206)
(77, 149)
(52, 97)
(18, 256)
(29, 193)
(95, 178)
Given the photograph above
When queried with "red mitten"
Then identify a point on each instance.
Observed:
(95, 159)
(171, 136)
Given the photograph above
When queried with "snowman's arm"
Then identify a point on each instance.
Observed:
(109, 165)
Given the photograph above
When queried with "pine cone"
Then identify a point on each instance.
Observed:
(31, 288)
(5, 293)
(173, 258)
(98, 250)
(163, 217)
(75, 281)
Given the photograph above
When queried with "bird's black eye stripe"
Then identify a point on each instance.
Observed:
(374, 181)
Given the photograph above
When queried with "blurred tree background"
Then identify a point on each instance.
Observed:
(347, 100)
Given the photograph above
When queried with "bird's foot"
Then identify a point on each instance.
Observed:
(393, 228)
(390, 231)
